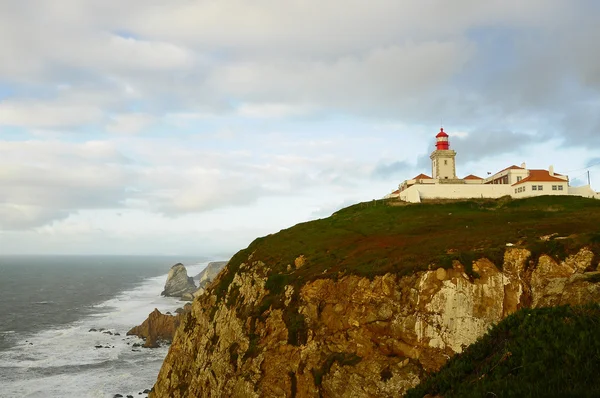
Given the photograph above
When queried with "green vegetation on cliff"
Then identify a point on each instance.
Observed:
(387, 236)
(374, 238)
(545, 352)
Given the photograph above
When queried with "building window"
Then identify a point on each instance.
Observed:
(540, 187)
(445, 162)
(554, 188)
(534, 187)
(515, 190)
(519, 179)
(560, 187)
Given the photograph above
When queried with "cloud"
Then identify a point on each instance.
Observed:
(480, 144)
(404, 61)
(129, 123)
(394, 169)
(378, 81)
(46, 114)
(271, 110)
(45, 181)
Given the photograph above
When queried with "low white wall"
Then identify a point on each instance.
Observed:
(416, 193)
(584, 190)
(411, 194)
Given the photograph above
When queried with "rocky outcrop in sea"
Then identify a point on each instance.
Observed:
(158, 327)
(178, 282)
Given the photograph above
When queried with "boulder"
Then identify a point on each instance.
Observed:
(186, 308)
(178, 282)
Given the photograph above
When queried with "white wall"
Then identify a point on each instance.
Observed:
(418, 192)
(474, 182)
(547, 189)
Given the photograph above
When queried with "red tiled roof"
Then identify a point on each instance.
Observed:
(472, 177)
(539, 176)
(396, 191)
(422, 177)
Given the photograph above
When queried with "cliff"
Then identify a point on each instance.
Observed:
(366, 302)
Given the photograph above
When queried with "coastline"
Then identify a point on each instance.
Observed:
(63, 360)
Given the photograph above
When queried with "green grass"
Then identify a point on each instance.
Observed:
(547, 352)
(374, 238)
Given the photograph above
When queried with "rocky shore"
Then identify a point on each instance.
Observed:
(159, 328)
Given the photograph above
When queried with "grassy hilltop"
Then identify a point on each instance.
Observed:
(374, 238)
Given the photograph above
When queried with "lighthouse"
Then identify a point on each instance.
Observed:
(443, 165)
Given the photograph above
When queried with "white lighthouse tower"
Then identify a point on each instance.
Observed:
(443, 165)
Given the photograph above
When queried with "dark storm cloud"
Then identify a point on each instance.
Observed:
(479, 144)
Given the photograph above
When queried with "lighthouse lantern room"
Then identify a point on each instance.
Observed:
(442, 140)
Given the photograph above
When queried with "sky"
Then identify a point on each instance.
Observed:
(192, 127)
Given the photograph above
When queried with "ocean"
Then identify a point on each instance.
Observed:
(49, 304)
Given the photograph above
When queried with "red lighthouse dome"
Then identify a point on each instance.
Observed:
(442, 142)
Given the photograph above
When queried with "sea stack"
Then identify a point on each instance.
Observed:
(178, 282)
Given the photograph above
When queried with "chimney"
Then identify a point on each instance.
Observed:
(523, 166)
(551, 170)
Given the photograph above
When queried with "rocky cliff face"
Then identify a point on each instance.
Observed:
(354, 336)
(178, 282)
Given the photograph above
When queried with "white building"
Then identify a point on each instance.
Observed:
(516, 181)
